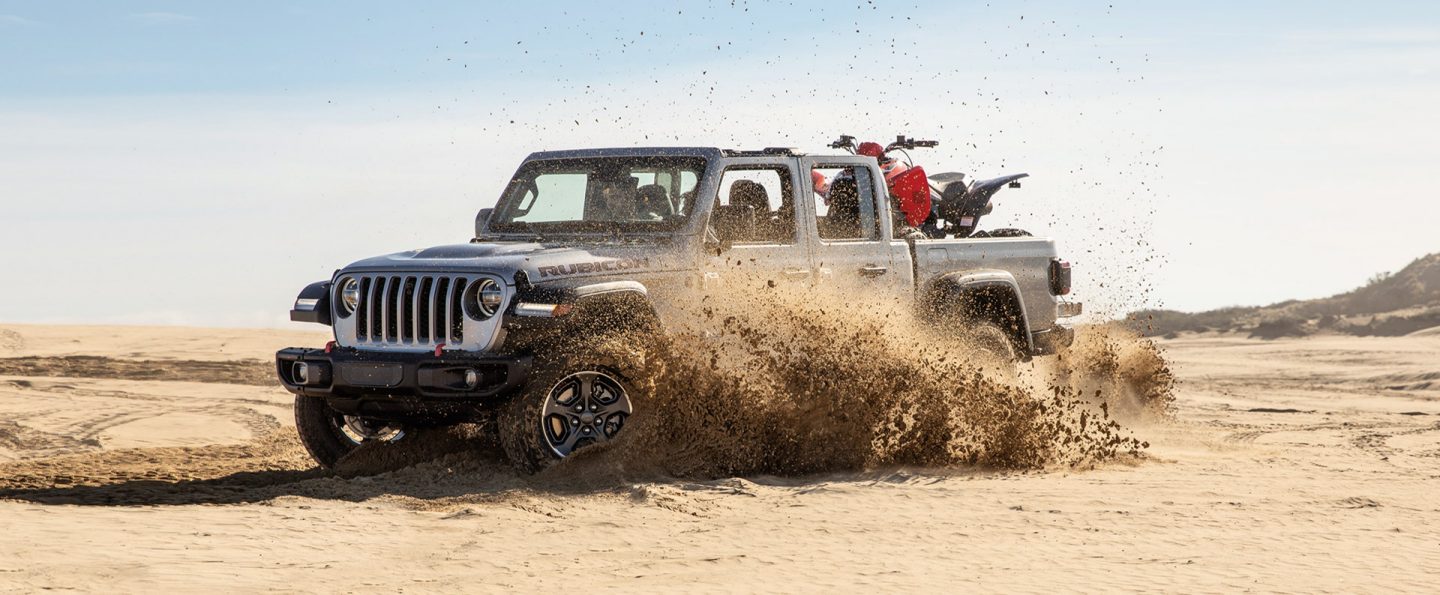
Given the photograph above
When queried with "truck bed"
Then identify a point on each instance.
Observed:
(1025, 261)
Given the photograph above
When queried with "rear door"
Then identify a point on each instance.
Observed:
(778, 252)
(848, 222)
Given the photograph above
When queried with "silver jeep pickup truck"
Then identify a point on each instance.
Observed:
(459, 333)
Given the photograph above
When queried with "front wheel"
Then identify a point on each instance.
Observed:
(329, 435)
(566, 407)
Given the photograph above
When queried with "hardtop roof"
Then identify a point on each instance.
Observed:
(705, 152)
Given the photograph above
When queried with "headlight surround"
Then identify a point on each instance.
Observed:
(349, 295)
(486, 299)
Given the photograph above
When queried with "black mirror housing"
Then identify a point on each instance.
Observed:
(482, 219)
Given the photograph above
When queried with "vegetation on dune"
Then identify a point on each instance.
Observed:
(1388, 305)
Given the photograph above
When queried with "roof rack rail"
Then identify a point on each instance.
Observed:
(788, 151)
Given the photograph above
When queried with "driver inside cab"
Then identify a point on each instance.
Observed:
(620, 200)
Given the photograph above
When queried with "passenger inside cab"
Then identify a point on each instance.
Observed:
(764, 193)
(845, 205)
(842, 221)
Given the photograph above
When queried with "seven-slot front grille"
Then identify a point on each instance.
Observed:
(411, 309)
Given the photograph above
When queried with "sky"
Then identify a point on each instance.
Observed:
(199, 162)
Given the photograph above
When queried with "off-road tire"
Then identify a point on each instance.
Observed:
(315, 422)
(519, 421)
(989, 338)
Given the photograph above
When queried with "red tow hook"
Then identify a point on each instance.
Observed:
(439, 350)
(330, 346)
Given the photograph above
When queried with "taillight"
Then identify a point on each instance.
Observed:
(1059, 277)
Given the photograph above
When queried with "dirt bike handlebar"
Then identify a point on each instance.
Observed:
(845, 141)
(904, 142)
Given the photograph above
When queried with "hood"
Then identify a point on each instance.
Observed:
(540, 262)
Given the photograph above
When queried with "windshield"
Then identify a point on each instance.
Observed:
(600, 194)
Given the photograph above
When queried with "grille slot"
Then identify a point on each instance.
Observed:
(440, 322)
(362, 312)
(410, 310)
(392, 310)
(423, 324)
(456, 311)
(406, 298)
(376, 305)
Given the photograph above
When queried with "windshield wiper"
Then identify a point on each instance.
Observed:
(519, 227)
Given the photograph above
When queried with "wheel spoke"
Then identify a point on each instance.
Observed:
(587, 388)
(599, 426)
(568, 444)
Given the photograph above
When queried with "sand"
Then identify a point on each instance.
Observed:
(1290, 465)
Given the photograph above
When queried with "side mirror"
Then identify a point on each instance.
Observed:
(729, 223)
(482, 219)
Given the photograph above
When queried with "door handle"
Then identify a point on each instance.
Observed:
(871, 270)
(797, 273)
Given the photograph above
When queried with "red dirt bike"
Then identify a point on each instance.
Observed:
(940, 205)
(909, 187)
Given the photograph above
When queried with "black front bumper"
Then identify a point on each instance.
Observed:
(349, 373)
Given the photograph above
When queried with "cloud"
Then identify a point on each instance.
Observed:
(161, 18)
(10, 19)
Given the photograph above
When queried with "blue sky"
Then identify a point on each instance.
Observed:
(67, 48)
(70, 48)
(203, 160)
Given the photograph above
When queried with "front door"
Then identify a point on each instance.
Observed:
(775, 253)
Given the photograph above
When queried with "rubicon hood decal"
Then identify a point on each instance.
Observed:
(580, 268)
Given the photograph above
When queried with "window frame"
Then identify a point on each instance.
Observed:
(881, 233)
(785, 173)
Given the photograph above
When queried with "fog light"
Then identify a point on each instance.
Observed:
(301, 372)
(472, 379)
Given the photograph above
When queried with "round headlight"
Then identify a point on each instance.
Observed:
(488, 298)
(349, 296)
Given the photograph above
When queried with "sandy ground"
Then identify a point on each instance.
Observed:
(152, 458)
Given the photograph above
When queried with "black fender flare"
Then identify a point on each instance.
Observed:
(994, 288)
(607, 303)
(313, 304)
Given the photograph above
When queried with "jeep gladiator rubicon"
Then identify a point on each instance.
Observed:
(453, 334)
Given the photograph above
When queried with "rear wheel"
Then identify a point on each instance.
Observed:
(990, 339)
(330, 435)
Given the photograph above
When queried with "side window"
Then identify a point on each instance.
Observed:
(758, 204)
(845, 204)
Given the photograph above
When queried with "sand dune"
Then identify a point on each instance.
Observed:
(151, 343)
(1298, 465)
